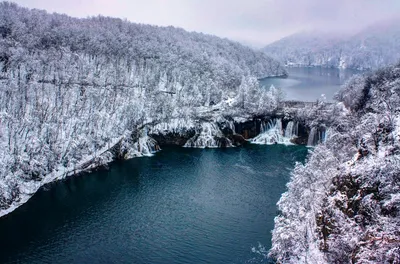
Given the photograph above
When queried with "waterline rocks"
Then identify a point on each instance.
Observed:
(209, 136)
(175, 132)
(147, 139)
(228, 133)
(197, 134)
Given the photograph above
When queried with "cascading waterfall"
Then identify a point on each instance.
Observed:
(143, 146)
(272, 133)
(291, 130)
(231, 126)
(209, 136)
(316, 136)
(311, 137)
(178, 126)
(264, 127)
(326, 134)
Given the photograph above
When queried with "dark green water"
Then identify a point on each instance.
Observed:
(180, 206)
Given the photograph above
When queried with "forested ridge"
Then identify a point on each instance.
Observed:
(78, 92)
(373, 47)
(343, 204)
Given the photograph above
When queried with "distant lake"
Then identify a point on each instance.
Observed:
(309, 83)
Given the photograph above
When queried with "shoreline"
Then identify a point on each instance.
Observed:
(249, 128)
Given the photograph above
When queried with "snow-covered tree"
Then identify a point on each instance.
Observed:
(342, 206)
(74, 93)
(375, 46)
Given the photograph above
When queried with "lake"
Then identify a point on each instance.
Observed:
(309, 83)
(179, 206)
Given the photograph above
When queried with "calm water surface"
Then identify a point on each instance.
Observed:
(180, 206)
(309, 83)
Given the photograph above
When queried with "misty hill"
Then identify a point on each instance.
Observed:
(373, 47)
(76, 93)
(343, 205)
(301, 46)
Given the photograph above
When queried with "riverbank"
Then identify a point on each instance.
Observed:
(200, 133)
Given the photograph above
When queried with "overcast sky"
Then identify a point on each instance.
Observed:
(252, 22)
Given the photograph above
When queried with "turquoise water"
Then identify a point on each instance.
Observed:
(309, 83)
(180, 206)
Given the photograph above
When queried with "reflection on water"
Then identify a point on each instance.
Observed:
(309, 83)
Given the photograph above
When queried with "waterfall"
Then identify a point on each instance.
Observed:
(291, 130)
(231, 126)
(326, 134)
(143, 146)
(272, 133)
(208, 136)
(323, 136)
(263, 127)
(311, 137)
(177, 125)
(316, 136)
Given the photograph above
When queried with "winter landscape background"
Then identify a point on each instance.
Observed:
(81, 94)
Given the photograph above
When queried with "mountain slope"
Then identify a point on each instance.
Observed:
(343, 205)
(76, 93)
(373, 47)
(300, 48)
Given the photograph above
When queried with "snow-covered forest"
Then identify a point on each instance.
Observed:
(76, 92)
(373, 47)
(343, 204)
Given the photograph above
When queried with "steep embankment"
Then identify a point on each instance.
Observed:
(375, 46)
(76, 93)
(343, 205)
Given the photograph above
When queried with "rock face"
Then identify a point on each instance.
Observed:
(220, 134)
(173, 139)
(231, 132)
(248, 129)
(302, 136)
(225, 133)
(238, 140)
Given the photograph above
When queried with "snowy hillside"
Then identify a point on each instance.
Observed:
(373, 47)
(343, 205)
(301, 48)
(75, 93)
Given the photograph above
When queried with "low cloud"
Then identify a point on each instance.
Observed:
(253, 22)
